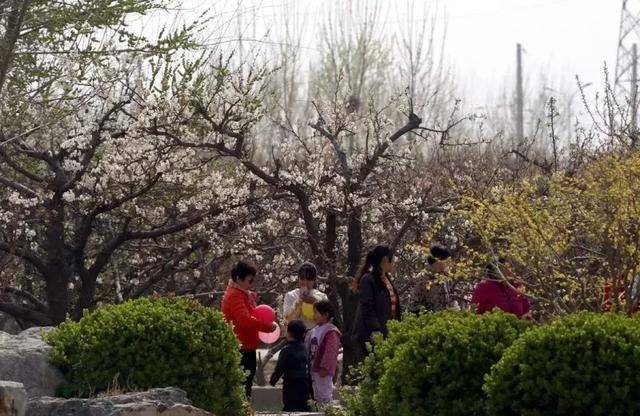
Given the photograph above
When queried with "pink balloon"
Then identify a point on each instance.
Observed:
(270, 337)
(264, 313)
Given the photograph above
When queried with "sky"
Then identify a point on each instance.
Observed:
(562, 38)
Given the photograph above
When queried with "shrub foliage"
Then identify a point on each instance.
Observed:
(434, 364)
(583, 364)
(153, 343)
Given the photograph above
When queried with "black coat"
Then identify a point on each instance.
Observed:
(374, 308)
(293, 365)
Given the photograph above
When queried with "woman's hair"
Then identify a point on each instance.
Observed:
(438, 252)
(242, 269)
(324, 308)
(491, 270)
(308, 271)
(372, 262)
(297, 329)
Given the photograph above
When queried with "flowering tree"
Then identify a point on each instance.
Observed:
(33, 32)
(322, 201)
(132, 174)
(336, 158)
(85, 175)
(567, 236)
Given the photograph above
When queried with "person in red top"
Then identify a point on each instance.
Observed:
(238, 303)
(493, 292)
(608, 303)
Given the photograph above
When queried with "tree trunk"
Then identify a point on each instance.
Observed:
(354, 235)
(57, 295)
(57, 276)
(87, 296)
(15, 15)
(351, 352)
(331, 224)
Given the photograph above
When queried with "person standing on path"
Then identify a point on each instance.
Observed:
(298, 303)
(293, 366)
(428, 293)
(323, 344)
(238, 304)
(378, 300)
(500, 290)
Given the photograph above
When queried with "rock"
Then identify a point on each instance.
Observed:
(290, 414)
(266, 397)
(155, 402)
(24, 359)
(8, 324)
(13, 399)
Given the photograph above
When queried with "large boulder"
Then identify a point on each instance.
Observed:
(13, 399)
(166, 402)
(24, 359)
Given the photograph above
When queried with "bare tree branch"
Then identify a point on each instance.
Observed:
(166, 269)
(88, 155)
(24, 254)
(11, 35)
(18, 168)
(340, 154)
(365, 170)
(546, 167)
(40, 307)
(84, 230)
(26, 314)
(24, 190)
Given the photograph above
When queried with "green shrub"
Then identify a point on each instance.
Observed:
(434, 364)
(584, 364)
(369, 373)
(153, 343)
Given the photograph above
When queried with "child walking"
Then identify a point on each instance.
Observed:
(323, 343)
(293, 364)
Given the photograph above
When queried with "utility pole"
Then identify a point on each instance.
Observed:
(519, 98)
(240, 49)
(626, 80)
(634, 89)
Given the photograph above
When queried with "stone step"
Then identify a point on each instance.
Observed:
(268, 398)
(291, 414)
(13, 398)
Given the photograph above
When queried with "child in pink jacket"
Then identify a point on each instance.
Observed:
(323, 344)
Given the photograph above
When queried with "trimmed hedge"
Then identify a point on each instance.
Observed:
(373, 367)
(435, 364)
(583, 364)
(150, 343)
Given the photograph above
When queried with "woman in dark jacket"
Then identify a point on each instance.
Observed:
(378, 298)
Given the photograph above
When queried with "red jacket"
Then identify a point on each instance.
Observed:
(489, 294)
(237, 306)
(607, 303)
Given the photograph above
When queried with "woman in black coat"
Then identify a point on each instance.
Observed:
(378, 298)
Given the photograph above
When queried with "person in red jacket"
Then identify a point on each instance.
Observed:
(608, 303)
(238, 303)
(493, 292)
